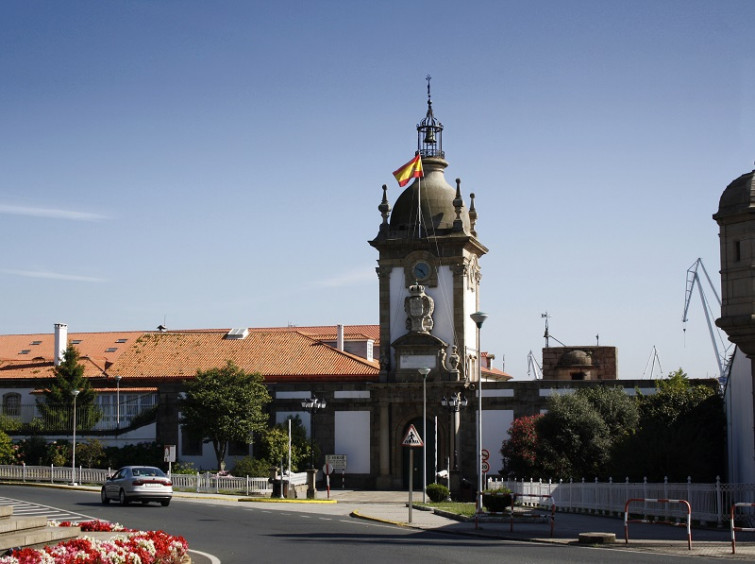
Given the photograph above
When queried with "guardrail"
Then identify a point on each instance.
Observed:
(199, 482)
(653, 522)
(711, 500)
(741, 529)
(553, 508)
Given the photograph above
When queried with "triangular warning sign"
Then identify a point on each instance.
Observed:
(412, 438)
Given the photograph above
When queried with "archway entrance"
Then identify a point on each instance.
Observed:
(429, 438)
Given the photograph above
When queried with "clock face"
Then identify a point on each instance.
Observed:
(421, 270)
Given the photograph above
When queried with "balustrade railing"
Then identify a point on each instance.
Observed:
(203, 482)
(710, 502)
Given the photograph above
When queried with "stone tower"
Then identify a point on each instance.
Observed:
(429, 281)
(736, 221)
(428, 271)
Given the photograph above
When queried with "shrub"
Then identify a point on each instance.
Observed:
(437, 492)
(253, 467)
(183, 468)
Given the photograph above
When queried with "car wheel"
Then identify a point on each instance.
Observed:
(165, 502)
(103, 497)
(122, 497)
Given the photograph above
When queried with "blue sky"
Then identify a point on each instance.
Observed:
(214, 165)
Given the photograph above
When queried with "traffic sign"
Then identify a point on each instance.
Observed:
(485, 454)
(327, 469)
(485, 466)
(412, 438)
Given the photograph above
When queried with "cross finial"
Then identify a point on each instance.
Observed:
(428, 78)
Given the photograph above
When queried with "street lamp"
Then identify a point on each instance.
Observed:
(479, 318)
(454, 405)
(75, 394)
(424, 371)
(311, 406)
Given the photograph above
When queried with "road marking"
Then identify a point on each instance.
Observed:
(27, 509)
(210, 557)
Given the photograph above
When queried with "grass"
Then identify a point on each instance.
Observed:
(465, 509)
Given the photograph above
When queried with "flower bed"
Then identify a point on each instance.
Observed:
(136, 547)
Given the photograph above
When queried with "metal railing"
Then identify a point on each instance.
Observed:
(710, 501)
(200, 482)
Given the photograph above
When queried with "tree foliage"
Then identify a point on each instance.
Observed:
(574, 440)
(57, 401)
(682, 433)
(601, 431)
(224, 404)
(519, 450)
(273, 445)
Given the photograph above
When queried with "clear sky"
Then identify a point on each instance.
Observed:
(219, 164)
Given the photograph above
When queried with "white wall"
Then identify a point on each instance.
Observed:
(739, 413)
(495, 429)
(352, 438)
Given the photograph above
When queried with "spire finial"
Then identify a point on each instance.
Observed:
(428, 78)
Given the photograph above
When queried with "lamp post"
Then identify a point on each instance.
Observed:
(479, 318)
(454, 405)
(117, 403)
(75, 394)
(424, 371)
(311, 406)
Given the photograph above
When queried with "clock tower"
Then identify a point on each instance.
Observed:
(428, 271)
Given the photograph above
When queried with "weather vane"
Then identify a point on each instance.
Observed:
(428, 78)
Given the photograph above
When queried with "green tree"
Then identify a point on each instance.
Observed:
(573, 439)
(682, 433)
(273, 445)
(224, 404)
(56, 403)
(7, 452)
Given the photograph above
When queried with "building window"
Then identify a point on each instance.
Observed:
(12, 405)
(737, 251)
(190, 445)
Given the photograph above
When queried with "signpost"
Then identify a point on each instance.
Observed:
(327, 469)
(338, 462)
(485, 465)
(170, 456)
(411, 440)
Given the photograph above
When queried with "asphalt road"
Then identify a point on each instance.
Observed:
(241, 533)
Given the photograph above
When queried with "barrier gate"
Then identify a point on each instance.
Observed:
(647, 521)
(741, 529)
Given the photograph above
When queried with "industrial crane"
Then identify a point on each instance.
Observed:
(716, 337)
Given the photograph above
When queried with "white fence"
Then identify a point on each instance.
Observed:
(710, 502)
(204, 482)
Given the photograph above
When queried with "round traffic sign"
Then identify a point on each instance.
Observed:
(327, 469)
(485, 454)
(485, 467)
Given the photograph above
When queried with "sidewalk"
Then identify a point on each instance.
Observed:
(392, 507)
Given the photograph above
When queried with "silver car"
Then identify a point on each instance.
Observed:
(137, 483)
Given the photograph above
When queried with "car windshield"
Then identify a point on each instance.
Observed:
(145, 471)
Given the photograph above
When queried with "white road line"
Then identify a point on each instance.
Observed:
(213, 559)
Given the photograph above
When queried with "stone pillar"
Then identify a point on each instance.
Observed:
(311, 488)
(384, 477)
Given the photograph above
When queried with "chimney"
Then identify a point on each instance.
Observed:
(339, 337)
(61, 342)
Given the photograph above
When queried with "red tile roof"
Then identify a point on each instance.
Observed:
(280, 354)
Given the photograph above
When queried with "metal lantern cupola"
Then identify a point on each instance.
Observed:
(430, 131)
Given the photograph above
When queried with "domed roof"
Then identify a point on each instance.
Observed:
(436, 201)
(739, 196)
(575, 358)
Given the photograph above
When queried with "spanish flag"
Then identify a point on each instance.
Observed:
(412, 169)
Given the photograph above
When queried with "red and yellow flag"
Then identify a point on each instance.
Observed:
(412, 169)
